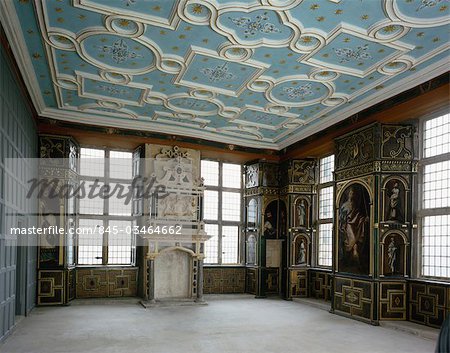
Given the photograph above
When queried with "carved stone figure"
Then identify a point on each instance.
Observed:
(172, 166)
(301, 258)
(301, 213)
(392, 255)
(166, 206)
(252, 176)
(177, 171)
(174, 205)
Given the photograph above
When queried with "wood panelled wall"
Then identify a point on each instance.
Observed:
(18, 140)
(320, 282)
(223, 280)
(106, 282)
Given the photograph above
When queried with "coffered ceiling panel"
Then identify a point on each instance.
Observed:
(257, 73)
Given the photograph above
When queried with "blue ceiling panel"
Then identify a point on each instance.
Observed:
(256, 73)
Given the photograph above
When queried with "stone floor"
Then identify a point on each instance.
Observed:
(235, 324)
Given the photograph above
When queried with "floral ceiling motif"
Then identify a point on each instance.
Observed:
(347, 54)
(253, 26)
(119, 51)
(256, 73)
(219, 73)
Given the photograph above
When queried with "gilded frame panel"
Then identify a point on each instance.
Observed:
(341, 189)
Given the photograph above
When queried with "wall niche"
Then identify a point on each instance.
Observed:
(394, 247)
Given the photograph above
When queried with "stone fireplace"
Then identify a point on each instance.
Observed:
(173, 263)
(173, 274)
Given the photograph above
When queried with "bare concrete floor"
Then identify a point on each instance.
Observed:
(234, 324)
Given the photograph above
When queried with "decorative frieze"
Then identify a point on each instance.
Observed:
(355, 149)
(299, 189)
(261, 191)
(397, 166)
(353, 172)
(397, 142)
(302, 172)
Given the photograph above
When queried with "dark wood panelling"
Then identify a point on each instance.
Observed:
(271, 280)
(51, 287)
(71, 284)
(354, 297)
(393, 301)
(320, 284)
(299, 283)
(428, 303)
(251, 280)
(223, 280)
(106, 282)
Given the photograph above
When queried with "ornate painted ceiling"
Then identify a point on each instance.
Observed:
(256, 73)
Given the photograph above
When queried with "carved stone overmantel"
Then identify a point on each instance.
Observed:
(174, 234)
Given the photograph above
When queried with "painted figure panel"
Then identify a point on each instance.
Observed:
(394, 201)
(354, 230)
(251, 249)
(394, 255)
(300, 253)
(50, 215)
(252, 214)
(271, 220)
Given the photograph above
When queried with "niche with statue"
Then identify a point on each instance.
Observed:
(395, 192)
(252, 214)
(394, 246)
(300, 250)
(251, 248)
(301, 212)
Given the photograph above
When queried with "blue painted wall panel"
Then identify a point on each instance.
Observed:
(18, 139)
